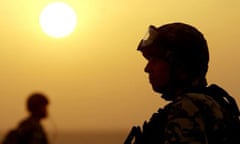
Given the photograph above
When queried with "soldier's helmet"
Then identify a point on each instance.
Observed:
(180, 44)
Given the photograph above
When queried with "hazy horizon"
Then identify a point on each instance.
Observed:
(85, 137)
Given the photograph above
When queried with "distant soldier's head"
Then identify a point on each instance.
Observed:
(37, 105)
(177, 55)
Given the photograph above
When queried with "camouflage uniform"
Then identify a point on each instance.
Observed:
(188, 118)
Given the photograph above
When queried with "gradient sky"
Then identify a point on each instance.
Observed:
(94, 78)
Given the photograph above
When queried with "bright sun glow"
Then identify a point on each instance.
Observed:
(58, 19)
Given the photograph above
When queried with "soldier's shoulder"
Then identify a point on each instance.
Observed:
(191, 103)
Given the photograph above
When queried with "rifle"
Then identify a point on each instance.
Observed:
(152, 131)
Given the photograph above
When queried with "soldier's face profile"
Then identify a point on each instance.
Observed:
(41, 112)
(159, 71)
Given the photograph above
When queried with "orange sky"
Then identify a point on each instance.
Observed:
(94, 77)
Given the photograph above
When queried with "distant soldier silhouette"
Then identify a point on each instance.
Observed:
(30, 130)
(178, 56)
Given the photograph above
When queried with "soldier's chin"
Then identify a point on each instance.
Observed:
(157, 89)
(165, 93)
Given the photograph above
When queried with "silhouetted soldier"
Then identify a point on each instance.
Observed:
(178, 57)
(30, 130)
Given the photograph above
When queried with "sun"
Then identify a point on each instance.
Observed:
(58, 19)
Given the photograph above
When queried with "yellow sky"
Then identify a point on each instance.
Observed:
(94, 77)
